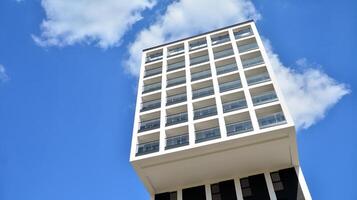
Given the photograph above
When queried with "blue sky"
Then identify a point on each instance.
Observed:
(67, 95)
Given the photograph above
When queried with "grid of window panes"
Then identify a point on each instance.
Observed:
(201, 80)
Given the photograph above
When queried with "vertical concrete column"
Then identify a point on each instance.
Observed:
(238, 189)
(217, 95)
(163, 102)
(208, 191)
(179, 194)
(243, 79)
(302, 183)
(191, 128)
(270, 186)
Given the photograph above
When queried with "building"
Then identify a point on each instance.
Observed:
(211, 121)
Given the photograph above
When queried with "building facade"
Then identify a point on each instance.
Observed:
(211, 122)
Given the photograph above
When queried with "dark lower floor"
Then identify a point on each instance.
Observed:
(284, 184)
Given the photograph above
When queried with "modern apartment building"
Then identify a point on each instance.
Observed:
(211, 122)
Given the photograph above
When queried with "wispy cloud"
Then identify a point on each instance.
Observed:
(100, 22)
(3, 75)
(309, 93)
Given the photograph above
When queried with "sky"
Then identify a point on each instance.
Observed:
(68, 78)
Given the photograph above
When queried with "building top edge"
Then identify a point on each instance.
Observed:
(205, 33)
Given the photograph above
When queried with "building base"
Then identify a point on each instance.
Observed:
(283, 184)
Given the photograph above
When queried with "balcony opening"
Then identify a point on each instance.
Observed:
(230, 82)
(207, 130)
(256, 76)
(264, 94)
(243, 32)
(203, 109)
(202, 89)
(238, 123)
(247, 45)
(176, 81)
(223, 51)
(177, 137)
(152, 70)
(149, 121)
(176, 115)
(175, 63)
(150, 102)
(220, 38)
(197, 44)
(175, 50)
(252, 59)
(199, 58)
(201, 72)
(154, 56)
(176, 95)
(176, 78)
(233, 102)
(265, 97)
(226, 66)
(152, 85)
(149, 105)
(270, 116)
(148, 144)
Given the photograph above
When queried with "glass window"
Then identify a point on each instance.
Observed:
(224, 190)
(244, 183)
(277, 182)
(247, 192)
(215, 188)
(275, 176)
(216, 197)
(166, 196)
(278, 186)
(194, 193)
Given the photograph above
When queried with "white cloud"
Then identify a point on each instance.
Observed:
(3, 75)
(185, 18)
(88, 21)
(309, 93)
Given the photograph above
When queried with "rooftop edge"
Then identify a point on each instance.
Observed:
(230, 26)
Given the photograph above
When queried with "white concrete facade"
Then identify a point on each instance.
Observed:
(232, 123)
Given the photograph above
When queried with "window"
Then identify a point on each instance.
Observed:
(194, 193)
(254, 187)
(277, 183)
(216, 195)
(286, 185)
(246, 190)
(224, 191)
(166, 196)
